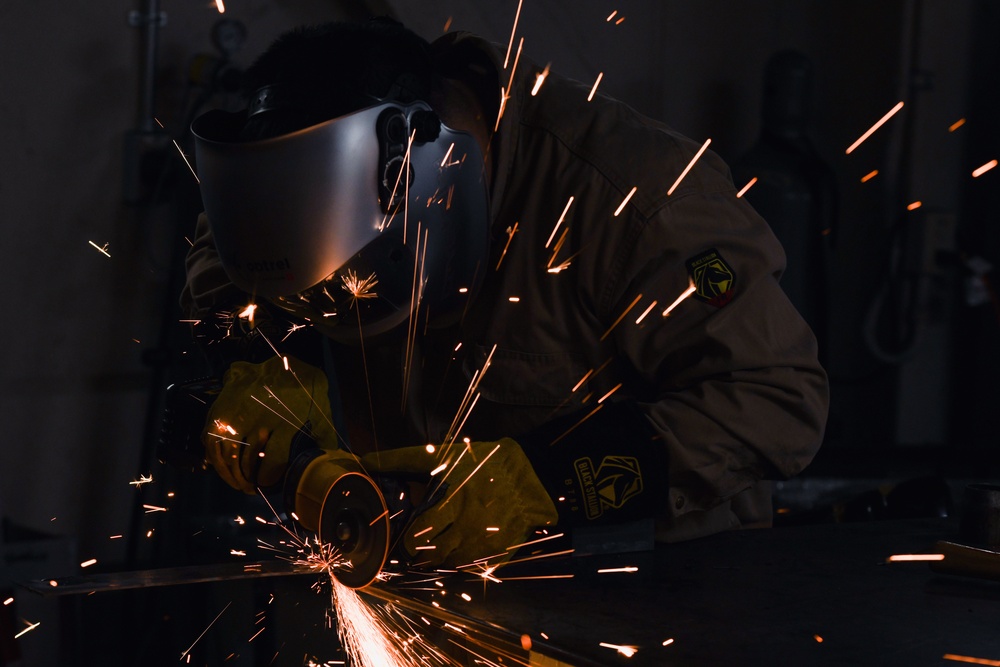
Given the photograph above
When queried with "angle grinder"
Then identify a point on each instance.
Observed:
(327, 491)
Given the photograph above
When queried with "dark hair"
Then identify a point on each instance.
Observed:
(312, 74)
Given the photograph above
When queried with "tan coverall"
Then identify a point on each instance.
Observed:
(729, 380)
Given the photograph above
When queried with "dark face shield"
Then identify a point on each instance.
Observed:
(363, 217)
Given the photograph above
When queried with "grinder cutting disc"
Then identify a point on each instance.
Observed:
(355, 521)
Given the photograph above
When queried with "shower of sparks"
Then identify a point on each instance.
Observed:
(31, 626)
(559, 222)
(621, 207)
(688, 167)
(691, 288)
(903, 558)
(88, 563)
(746, 187)
(143, 479)
(593, 91)
(103, 249)
(188, 650)
(979, 171)
(912, 206)
(622, 316)
(221, 7)
(627, 651)
(957, 124)
(869, 176)
(359, 288)
(871, 130)
(610, 570)
(970, 659)
(366, 638)
(513, 31)
(510, 237)
(540, 79)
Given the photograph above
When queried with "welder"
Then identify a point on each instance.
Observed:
(494, 263)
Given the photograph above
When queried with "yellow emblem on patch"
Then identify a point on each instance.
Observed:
(713, 278)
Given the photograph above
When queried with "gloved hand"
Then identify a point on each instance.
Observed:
(504, 493)
(260, 409)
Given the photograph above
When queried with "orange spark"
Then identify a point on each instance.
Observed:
(8, 601)
(143, 479)
(101, 249)
(957, 124)
(425, 530)
(622, 316)
(613, 390)
(869, 176)
(819, 640)
(630, 568)
(746, 187)
(540, 79)
(466, 597)
(627, 651)
(983, 169)
(874, 127)
(593, 91)
(221, 7)
(685, 294)
(430, 448)
(447, 24)
(513, 31)
(619, 21)
(902, 558)
(154, 508)
(668, 642)
(510, 237)
(621, 206)
(611, 16)
(646, 312)
(88, 563)
(28, 629)
(559, 222)
(186, 652)
(514, 299)
(237, 552)
(688, 167)
(975, 661)
(914, 205)
(115, 537)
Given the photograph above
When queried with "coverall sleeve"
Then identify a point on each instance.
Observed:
(732, 383)
(208, 288)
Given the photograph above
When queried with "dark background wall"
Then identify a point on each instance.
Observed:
(88, 340)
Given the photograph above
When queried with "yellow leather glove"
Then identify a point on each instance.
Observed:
(481, 512)
(260, 409)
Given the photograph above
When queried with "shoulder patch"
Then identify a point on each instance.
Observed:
(713, 278)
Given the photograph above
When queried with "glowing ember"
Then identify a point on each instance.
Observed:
(31, 626)
(914, 205)
(143, 479)
(690, 164)
(103, 249)
(621, 206)
(983, 169)
(969, 659)
(874, 127)
(869, 176)
(540, 79)
(957, 124)
(627, 651)
(746, 187)
(593, 91)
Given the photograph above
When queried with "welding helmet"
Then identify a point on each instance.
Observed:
(353, 223)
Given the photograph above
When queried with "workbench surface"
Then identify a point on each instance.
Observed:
(806, 595)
